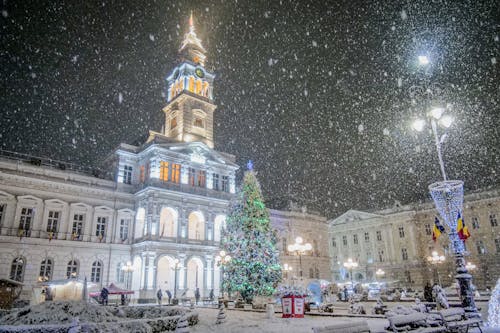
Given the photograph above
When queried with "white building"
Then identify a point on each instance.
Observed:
(165, 200)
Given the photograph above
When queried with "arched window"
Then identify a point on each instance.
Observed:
(168, 222)
(45, 270)
(196, 226)
(95, 275)
(191, 84)
(72, 269)
(17, 269)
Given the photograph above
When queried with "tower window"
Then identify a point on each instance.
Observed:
(475, 222)
(198, 122)
(173, 123)
(428, 230)
(127, 174)
(404, 254)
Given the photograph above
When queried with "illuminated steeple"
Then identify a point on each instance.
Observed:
(191, 48)
(189, 110)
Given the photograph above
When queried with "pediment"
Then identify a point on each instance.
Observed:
(198, 152)
(353, 215)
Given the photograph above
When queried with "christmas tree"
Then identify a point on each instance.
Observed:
(494, 307)
(254, 268)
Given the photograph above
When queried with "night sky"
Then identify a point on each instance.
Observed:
(316, 93)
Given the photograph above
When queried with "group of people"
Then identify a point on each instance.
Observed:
(159, 296)
(197, 295)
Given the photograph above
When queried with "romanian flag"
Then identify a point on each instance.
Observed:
(462, 230)
(437, 230)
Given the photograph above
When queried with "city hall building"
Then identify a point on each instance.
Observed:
(159, 206)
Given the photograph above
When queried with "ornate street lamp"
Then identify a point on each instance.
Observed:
(436, 259)
(299, 249)
(379, 273)
(128, 269)
(349, 264)
(470, 266)
(223, 259)
(448, 195)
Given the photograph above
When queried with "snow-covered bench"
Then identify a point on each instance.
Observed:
(356, 327)
(413, 322)
(454, 319)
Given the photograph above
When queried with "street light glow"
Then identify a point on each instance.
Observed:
(437, 113)
(418, 125)
(423, 60)
(446, 121)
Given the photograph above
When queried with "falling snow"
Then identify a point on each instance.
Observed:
(317, 95)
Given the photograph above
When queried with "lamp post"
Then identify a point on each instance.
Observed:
(286, 269)
(222, 259)
(379, 273)
(436, 259)
(447, 194)
(299, 249)
(349, 264)
(175, 268)
(128, 269)
(470, 266)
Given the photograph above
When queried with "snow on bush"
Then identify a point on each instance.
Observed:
(55, 317)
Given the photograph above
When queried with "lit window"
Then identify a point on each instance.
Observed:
(142, 174)
(191, 84)
(176, 173)
(173, 123)
(198, 122)
(164, 171)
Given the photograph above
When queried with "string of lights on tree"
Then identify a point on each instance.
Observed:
(254, 268)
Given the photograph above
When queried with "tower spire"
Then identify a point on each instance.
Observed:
(191, 47)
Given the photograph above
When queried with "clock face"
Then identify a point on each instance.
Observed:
(199, 72)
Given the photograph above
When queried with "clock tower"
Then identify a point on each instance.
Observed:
(189, 110)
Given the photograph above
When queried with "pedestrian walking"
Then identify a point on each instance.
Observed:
(159, 295)
(169, 295)
(197, 295)
(104, 296)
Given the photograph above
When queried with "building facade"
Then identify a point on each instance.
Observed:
(399, 242)
(161, 205)
(313, 229)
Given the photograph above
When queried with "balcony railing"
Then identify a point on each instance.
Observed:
(185, 188)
